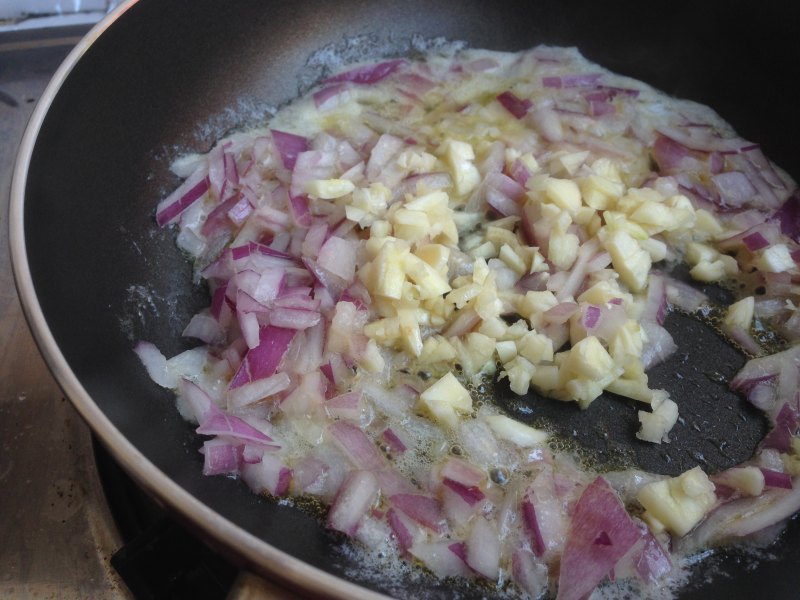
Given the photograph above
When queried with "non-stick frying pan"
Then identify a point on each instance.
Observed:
(161, 77)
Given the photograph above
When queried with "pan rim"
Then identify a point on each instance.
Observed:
(262, 556)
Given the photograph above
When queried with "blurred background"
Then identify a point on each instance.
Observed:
(23, 14)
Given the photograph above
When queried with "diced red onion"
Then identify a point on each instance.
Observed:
(240, 211)
(427, 182)
(203, 326)
(218, 222)
(422, 509)
(734, 188)
(393, 441)
(755, 241)
(611, 319)
(483, 548)
(703, 139)
(536, 282)
(743, 517)
(788, 216)
(345, 406)
(155, 364)
(471, 495)
(578, 272)
(202, 406)
(220, 457)
(744, 339)
(252, 453)
(571, 81)
(291, 318)
(330, 281)
(387, 147)
(780, 436)
(777, 479)
(762, 396)
(368, 73)
(263, 360)
(414, 85)
(223, 424)
(482, 64)
(654, 562)
(338, 257)
(189, 192)
(591, 316)
(684, 296)
(655, 308)
(257, 390)
(598, 108)
(323, 98)
(269, 475)
(289, 146)
(658, 346)
(300, 210)
(520, 172)
(460, 471)
(530, 574)
(310, 475)
(399, 527)
(514, 104)
(583, 563)
(561, 312)
(268, 256)
(440, 558)
(463, 323)
(358, 493)
(363, 453)
(531, 520)
(764, 368)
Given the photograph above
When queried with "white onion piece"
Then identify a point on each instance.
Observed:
(544, 515)
(257, 390)
(653, 562)
(658, 346)
(530, 574)
(440, 558)
(206, 328)
(655, 309)
(483, 548)
(456, 508)
(202, 406)
(570, 286)
(742, 518)
(765, 368)
(684, 296)
(309, 476)
(338, 256)
(268, 475)
(358, 493)
(156, 365)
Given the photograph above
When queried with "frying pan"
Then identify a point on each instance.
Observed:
(158, 78)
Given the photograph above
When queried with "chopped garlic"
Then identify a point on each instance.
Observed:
(740, 314)
(679, 503)
(516, 432)
(328, 189)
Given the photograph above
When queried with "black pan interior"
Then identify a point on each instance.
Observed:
(169, 77)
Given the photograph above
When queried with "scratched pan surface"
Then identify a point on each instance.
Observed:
(165, 76)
